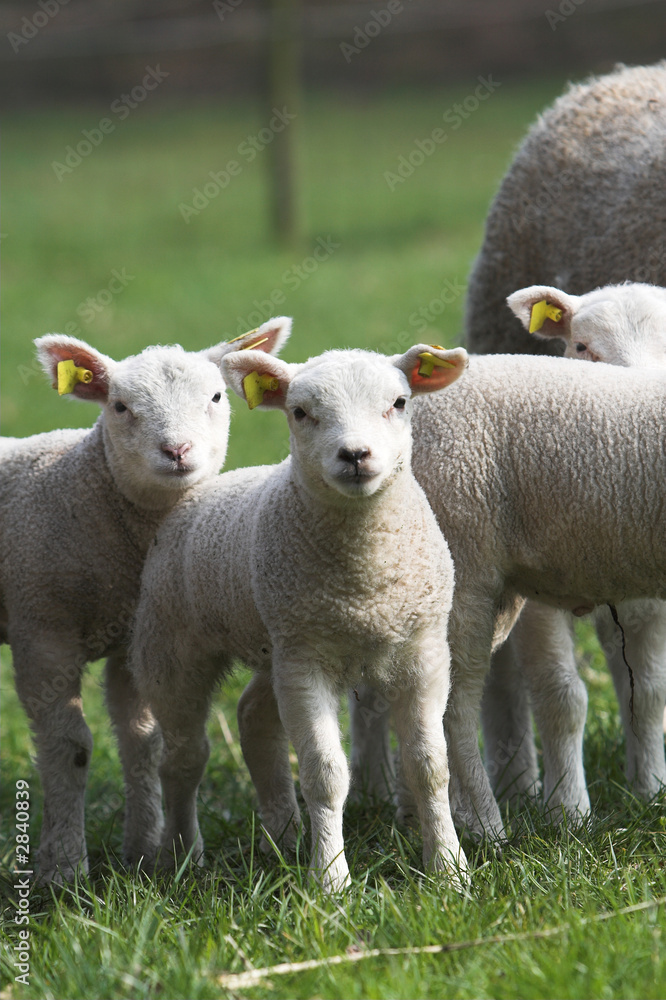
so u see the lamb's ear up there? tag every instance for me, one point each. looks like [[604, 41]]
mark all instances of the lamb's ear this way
[[545, 311], [429, 368], [258, 378], [75, 367], [270, 337]]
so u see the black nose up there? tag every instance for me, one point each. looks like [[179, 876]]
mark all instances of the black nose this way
[[353, 457]]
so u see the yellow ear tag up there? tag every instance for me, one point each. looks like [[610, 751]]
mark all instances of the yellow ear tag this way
[[241, 336], [255, 385], [69, 375], [429, 362], [251, 347], [541, 311]]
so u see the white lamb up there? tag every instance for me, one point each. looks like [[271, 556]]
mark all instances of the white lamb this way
[[78, 510], [318, 572], [547, 479], [623, 325]]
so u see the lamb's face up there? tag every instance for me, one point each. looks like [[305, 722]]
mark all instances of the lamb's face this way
[[165, 411], [348, 411], [620, 325], [167, 418], [349, 418]]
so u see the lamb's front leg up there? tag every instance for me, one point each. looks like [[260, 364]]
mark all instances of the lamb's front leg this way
[[48, 681], [266, 751], [308, 704], [644, 624], [140, 749], [418, 713]]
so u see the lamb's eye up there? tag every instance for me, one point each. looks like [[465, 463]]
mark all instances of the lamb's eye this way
[[400, 403], [299, 413], [119, 407], [217, 397], [581, 348]]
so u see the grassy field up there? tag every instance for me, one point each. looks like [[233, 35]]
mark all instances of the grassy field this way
[[560, 913]]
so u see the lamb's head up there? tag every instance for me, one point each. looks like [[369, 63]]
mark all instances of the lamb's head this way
[[619, 324], [348, 411], [165, 411]]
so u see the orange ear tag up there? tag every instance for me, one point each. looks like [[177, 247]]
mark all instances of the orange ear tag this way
[[430, 361]]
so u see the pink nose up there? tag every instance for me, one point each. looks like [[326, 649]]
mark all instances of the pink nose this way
[[178, 452]]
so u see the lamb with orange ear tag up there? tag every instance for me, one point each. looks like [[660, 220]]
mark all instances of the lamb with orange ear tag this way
[[318, 573]]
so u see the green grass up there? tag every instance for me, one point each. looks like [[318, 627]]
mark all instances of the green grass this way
[[127, 936]]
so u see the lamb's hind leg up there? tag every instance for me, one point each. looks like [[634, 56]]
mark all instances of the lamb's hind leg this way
[[644, 624], [544, 642], [472, 801], [179, 692], [140, 749], [48, 682], [372, 767], [266, 751], [508, 738]]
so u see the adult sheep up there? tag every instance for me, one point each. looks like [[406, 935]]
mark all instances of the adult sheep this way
[[583, 205], [78, 510]]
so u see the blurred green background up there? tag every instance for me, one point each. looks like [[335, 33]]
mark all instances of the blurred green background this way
[[388, 253]]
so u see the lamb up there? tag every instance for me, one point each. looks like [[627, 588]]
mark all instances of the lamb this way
[[623, 325], [518, 459], [78, 510], [582, 205], [317, 572]]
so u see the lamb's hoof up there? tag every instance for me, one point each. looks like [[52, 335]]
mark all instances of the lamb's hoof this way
[[171, 855], [573, 816], [454, 867], [59, 873], [280, 836], [335, 878]]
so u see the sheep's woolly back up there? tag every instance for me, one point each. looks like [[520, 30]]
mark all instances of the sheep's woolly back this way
[[582, 205], [547, 477]]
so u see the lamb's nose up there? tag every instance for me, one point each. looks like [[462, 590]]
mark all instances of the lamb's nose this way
[[177, 452], [353, 457]]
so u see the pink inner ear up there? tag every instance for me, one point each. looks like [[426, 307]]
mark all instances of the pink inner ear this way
[[273, 397]]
